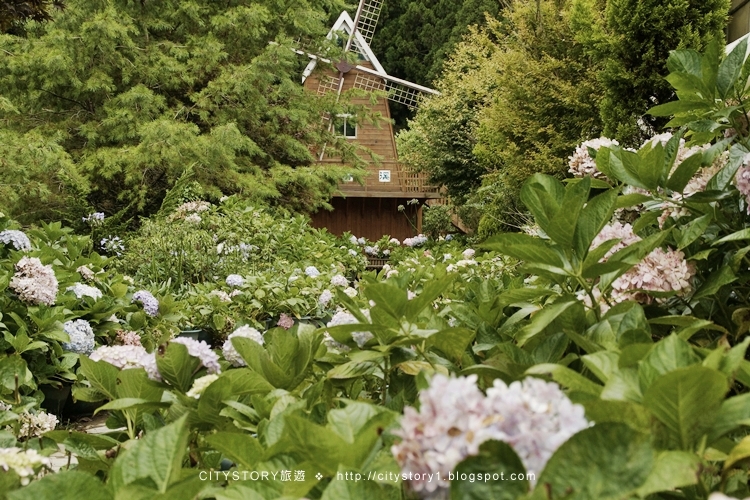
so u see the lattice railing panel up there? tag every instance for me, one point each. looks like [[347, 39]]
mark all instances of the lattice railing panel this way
[[396, 92], [328, 84], [368, 19]]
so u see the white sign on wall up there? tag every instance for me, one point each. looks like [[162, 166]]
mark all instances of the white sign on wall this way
[[384, 176]]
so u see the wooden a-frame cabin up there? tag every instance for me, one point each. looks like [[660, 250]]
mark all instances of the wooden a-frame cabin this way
[[371, 210]]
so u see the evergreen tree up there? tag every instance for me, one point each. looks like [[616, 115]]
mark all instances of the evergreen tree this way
[[13, 13], [631, 40], [116, 99]]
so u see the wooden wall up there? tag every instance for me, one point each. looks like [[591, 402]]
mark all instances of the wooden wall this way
[[739, 21], [369, 217]]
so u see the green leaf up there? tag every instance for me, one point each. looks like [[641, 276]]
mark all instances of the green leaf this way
[[132, 404], [730, 68], [593, 217], [605, 462], [694, 230], [528, 249], [452, 341], [742, 234], [566, 377], [563, 225], [495, 459], [733, 414], [687, 402], [684, 172], [543, 318], [667, 355], [242, 449], [672, 470], [353, 369], [341, 489], [176, 366], [12, 367], [741, 452], [157, 456], [543, 194], [65, 485], [716, 280], [602, 364]]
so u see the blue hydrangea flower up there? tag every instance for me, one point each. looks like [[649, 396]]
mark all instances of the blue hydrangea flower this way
[[18, 239], [81, 337]]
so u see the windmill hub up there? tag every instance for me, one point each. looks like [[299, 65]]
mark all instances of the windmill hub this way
[[344, 66]]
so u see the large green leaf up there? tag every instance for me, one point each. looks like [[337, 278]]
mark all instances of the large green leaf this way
[[667, 355], [158, 457], [176, 366], [65, 485], [566, 377], [730, 68], [101, 375], [544, 318], [14, 367], [605, 462], [733, 413], [593, 217], [672, 470], [543, 195], [687, 402], [482, 474], [241, 448]]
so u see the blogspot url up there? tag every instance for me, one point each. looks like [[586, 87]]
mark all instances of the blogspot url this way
[[436, 476]]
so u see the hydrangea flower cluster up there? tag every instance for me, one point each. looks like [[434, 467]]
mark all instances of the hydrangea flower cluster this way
[[22, 462], [191, 207], [200, 385], [350, 292], [123, 357], [228, 350], [235, 280], [128, 337], [81, 337], [533, 416], [696, 184], [35, 424], [149, 302], [193, 219], [17, 238], [312, 271], [285, 321], [86, 273], [94, 219], [80, 290], [222, 295], [4, 406], [202, 351], [34, 282], [468, 253], [416, 241], [582, 164], [660, 271], [325, 298], [347, 318], [339, 280], [113, 245]]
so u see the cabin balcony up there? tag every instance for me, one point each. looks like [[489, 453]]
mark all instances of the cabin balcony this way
[[390, 179]]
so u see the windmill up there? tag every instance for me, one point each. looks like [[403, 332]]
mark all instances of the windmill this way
[[370, 210]]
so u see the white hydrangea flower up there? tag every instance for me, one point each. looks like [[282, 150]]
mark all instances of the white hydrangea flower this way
[[353, 239], [235, 280], [222, 295], [533, 416], [339, 280], [94, 219], [22, 462], [416, 241], [4, 406], [410, 295], [228, 350], [361, 241], [86, 273], [325, 298], [721, 496], [81, 337], [346, 318], [17, 238], [202, 351], [312, 271], [582, 164], [35, 424], [149, 364], [80, 290], [193, 219], [200, 385], [123, 357], [468, 253], [34, 282], [350, 292], [394, 241], [353, 252]]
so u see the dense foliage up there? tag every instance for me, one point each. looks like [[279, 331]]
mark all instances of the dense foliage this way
[[630, 40], [517, 96], [109, 105]]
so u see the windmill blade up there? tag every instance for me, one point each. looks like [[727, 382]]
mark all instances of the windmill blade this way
[[368, 18], [398, 90]]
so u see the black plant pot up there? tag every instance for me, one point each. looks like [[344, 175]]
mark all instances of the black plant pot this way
[[198, 334], [77, 409], [55, 398]]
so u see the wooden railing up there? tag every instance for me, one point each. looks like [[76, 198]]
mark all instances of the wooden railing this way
[[402, 183]]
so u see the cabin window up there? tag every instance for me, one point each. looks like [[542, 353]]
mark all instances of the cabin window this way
[[343, 127]]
